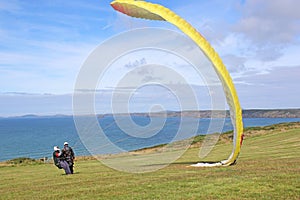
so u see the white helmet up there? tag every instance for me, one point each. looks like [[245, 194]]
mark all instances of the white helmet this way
[[56, 148], [66, 143]]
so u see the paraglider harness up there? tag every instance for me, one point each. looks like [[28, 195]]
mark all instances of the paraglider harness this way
[[68, 154]]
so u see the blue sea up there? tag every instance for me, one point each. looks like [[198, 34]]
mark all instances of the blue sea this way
[[35, 137]]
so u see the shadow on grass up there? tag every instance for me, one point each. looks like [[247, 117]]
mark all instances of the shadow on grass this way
[[70, 174], [180, 163], [191, 163]]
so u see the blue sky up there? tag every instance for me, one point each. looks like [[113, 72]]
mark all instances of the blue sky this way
[[44, 44]]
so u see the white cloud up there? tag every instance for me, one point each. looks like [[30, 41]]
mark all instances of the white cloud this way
[[270, 21], [51, 69], [43, 45], [278, 88], [17, 104], [270, 26]]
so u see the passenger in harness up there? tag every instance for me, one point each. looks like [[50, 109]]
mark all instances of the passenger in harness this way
[[60, 161], [68, 153]]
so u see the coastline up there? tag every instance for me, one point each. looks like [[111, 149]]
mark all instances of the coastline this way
[[197, 141], [247, 113]]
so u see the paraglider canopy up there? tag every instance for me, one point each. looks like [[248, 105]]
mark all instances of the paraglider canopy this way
[[146, 10]]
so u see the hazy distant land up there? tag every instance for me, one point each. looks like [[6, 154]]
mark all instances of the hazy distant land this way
[[253, 113]]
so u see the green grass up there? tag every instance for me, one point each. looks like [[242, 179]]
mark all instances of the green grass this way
[[268, 168]]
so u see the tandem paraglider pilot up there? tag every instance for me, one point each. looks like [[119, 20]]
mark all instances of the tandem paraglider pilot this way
[[69, 155], [60, 160]]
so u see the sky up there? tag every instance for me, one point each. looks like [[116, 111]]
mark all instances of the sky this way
[[44, 45]]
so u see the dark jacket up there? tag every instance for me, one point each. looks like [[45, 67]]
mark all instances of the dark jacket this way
[[68, 154]]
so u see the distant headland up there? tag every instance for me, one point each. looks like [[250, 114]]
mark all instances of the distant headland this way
[[251, 113], [247, 113]]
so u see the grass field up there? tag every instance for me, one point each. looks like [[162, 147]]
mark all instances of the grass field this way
[[268, 168]]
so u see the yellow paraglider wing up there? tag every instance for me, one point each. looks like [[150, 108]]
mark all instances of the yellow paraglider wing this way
[[146, 10]]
